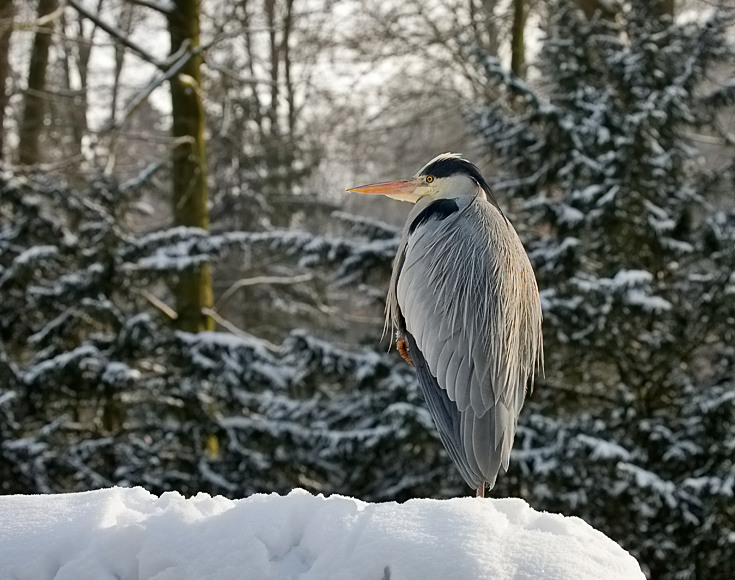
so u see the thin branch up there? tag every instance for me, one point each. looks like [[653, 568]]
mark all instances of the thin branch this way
[[41, 23], [163, 6], [235, 76], [257, 280], [184, 56], [175, 63], [138, 181], [71, 161], [349, 317], [117, 34], [160, 304], [237, 331]]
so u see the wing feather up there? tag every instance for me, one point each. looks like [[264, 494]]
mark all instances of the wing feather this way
[[480, 444], [453, 368]]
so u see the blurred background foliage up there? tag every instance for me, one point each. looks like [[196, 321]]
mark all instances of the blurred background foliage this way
[[190, 302]]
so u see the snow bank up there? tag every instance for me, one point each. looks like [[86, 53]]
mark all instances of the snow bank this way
[[129, 534]]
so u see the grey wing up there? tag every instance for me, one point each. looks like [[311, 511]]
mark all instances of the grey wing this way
[[469, 302], [446, 415]]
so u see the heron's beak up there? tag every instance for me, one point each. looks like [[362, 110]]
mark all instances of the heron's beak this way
[[402, 190]]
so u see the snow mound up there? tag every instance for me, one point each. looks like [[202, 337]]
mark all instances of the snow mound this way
[[130, 534]]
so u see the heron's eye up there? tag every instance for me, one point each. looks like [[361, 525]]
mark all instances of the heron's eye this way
[[429, 178]]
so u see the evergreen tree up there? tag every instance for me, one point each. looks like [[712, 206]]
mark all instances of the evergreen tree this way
[[633, 427], [97, 388]]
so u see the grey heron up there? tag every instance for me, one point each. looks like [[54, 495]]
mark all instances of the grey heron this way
[[465, 308]]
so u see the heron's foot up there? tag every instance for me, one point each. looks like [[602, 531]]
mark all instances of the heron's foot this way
[[402, 346], [481, 490]]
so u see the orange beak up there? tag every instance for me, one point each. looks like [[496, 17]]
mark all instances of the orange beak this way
[[402, 190]]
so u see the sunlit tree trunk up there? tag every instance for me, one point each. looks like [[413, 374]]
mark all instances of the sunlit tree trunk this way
[[193, 290], [6, 29], [517, 43], [31, 122]]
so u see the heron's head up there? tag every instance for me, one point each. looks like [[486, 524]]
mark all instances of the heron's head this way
[[445, 176]]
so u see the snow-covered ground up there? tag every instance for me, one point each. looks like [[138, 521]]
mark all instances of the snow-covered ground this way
[[126, 534]]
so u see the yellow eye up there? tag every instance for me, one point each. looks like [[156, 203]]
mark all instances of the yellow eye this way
[[429, 178]]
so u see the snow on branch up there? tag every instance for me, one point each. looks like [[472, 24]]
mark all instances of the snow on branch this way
[[633, 286], [184, 247], [368, 227]]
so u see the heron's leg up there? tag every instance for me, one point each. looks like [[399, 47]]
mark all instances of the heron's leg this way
[[402, 346], [481, 490]]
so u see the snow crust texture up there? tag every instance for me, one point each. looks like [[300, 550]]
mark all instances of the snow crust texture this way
[[127, 533]]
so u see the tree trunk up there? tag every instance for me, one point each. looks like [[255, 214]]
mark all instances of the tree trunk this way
[[193, 290], [666, 7], [125, 23], [484, 25], [31, 123], [252, 59], [273, 144], [590, 7], [6, 30], [75, 112], [517, 43], [77, 53], [288, 21]]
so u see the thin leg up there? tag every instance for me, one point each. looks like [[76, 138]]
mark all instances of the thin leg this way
[[402, 346], [481, 490]]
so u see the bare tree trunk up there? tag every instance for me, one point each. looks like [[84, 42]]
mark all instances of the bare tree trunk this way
[[517, 42], [270, 12], [484, 26], [286, 43], [590, 7], [125, 23], [193, 290], [74, 113], [6, 30], [80, 126], [289, 145], [273, 143], [31, 123], [250, 49], [667, 7]]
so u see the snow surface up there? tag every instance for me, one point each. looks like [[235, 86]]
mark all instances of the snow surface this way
[[128, 533]]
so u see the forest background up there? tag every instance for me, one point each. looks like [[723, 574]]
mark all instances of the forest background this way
[[190, 301]]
